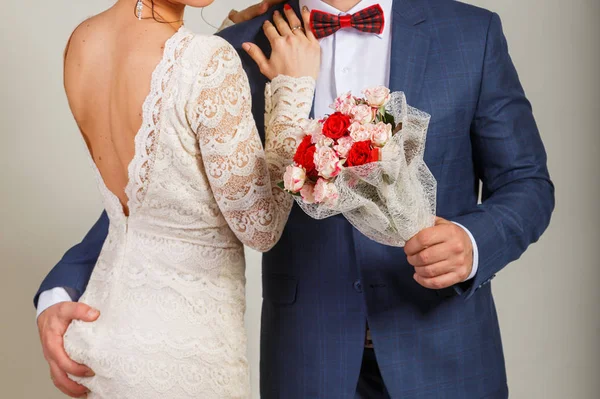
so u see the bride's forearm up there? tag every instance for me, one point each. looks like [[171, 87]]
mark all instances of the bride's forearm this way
[[288, 102]]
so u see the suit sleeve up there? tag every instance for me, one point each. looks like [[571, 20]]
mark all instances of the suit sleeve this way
[[510, 160], [74, 269]]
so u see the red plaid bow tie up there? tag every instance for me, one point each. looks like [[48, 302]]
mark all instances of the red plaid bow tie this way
[[370, 20]]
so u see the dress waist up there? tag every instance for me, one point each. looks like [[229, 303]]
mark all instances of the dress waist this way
[[140, 254]]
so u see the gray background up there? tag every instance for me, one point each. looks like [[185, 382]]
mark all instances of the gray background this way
[[547, 301]]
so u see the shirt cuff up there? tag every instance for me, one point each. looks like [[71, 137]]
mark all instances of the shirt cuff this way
[[475, 252], [51, 298]]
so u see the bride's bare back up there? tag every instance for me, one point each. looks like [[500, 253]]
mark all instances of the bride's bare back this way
[[109, 63]]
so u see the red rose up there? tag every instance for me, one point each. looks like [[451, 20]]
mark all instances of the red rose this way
[[336, 126], [305, 156], [362, 153]]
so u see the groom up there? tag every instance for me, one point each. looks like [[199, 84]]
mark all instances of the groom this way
[[344, 317]]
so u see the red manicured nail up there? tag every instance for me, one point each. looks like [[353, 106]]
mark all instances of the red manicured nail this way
[[287, 7]]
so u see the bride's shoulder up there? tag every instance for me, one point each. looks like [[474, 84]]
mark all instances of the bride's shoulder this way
[[87, 39], [209, 48]]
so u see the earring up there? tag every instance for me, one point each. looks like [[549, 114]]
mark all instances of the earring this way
[[138, 9]]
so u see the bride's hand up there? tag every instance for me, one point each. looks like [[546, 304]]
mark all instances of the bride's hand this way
[[296, 51]]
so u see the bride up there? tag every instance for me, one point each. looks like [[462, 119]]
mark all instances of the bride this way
[[166, 116]]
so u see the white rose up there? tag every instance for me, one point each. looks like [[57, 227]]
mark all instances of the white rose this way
[[294, 178], [377, 96]]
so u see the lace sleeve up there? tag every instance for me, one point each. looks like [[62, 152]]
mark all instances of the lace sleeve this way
[[243, 179]]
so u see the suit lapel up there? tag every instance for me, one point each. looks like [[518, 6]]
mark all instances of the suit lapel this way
[[410, 49]]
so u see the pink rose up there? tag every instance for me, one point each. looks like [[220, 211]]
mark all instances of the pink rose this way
[[360, 132], [325, 192], [321, 140], [362, 114], [344, 103], [294, 178], [381, 134], [377, 96], [343, 146], [308, 193], [327, 162]]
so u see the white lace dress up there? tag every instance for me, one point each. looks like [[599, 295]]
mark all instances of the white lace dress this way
[[169, 281]]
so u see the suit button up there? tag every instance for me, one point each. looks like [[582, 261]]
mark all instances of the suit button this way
[[358, 286]]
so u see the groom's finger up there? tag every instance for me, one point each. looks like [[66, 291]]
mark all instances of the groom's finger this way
[[426, 238], [439, 282], [69, 311], [66, 364], [434, 270], [430, 255], [259, 57], [248, 13], [65, 384], [253, 11]]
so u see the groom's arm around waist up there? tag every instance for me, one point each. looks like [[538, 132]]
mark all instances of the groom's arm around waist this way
[[510, 160], [68, 279]]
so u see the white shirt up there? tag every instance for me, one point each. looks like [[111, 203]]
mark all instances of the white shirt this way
[[347, 64]]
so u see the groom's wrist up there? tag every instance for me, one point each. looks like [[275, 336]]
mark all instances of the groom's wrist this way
[[475, 265]]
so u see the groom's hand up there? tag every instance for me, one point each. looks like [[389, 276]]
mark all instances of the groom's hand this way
[[52, 325], [442, 255], [253, 11]]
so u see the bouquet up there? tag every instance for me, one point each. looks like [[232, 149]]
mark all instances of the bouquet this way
[[365, 161]]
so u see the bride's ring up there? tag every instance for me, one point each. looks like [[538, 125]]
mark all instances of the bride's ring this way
[[295, 28]]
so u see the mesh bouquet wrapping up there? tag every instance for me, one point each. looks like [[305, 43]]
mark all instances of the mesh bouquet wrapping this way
[[392, 199]]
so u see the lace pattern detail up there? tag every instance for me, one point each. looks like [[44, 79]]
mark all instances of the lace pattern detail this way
[[244, 180], [147, 137], [287, 102]]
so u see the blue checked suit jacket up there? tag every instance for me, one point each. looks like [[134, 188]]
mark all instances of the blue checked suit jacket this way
[[323, 281]]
